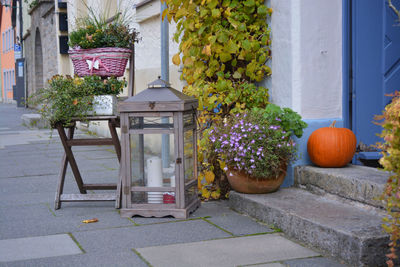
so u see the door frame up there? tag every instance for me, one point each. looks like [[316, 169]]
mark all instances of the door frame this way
[[347, 63]]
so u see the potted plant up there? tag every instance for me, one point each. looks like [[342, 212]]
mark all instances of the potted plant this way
[[68, 97], [100, 45], [255, 147]]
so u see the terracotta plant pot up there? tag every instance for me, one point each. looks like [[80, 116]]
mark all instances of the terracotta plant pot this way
[[243, 183]]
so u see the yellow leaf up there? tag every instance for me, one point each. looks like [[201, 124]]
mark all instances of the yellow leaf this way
[[91, 220], [201, 157], [209, 177], [205, 193], [215, 195], [222, 164], [176, 59], [164, 13], [207, 50]]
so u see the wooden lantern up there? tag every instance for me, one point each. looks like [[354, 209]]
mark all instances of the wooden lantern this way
[[159, 153]]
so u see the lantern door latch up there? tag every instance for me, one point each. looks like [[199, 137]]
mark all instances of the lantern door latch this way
[[178, 161]]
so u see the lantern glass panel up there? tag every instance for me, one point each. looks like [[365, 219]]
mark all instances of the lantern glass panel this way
[[151, 123], [188, 119], [150, 167], [188, 155]]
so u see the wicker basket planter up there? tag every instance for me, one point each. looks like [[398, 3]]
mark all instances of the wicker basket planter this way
[[105, 61]]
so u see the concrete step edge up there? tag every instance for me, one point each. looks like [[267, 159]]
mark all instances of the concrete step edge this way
[[361, 245], [357, 183]]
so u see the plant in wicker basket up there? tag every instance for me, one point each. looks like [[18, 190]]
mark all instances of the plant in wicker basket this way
[[100, 46]]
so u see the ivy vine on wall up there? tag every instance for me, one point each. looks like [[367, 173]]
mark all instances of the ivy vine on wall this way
[[390, 121], [224, 46]]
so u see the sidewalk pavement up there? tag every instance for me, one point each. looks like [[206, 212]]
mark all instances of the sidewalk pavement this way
[[32, 233]]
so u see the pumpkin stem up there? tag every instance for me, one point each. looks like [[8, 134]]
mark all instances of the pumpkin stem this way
[[333, 124]]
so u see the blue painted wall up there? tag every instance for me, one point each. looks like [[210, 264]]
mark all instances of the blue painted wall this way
[[304, 159]]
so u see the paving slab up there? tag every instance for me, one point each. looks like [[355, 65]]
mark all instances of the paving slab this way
[[275, 264], [239, 225], [340, 229], [22, 137], [37, 247], [314, 262], [98, 241], [41, 219], [226, 252], [14, 200], [115, 259]]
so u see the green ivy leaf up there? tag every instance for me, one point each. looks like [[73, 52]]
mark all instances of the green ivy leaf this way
[[215, 13], [249, 3], [223, 37], [225, 57], [262, 10], [246, 44], [231, 47], [237, 75]]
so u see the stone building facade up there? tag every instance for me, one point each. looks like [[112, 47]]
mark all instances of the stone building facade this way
[[41, 49]]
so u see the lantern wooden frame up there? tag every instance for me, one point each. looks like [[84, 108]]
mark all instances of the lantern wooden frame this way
[[159, 101]]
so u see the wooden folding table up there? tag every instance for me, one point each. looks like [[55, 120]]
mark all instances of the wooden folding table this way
[[68, 141]]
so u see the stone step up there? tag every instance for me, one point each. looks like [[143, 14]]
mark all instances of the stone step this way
[[357, 183], [342, 230]]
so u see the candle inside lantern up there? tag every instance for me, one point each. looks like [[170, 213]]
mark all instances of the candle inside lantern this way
[[169, 198], [154, 179]]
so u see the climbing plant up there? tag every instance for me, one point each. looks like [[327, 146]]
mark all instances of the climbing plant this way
[[223, 48], [391, 162]]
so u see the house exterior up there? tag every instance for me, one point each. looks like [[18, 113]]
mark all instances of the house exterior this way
[[44, 57], [7, 52], [331, 60]]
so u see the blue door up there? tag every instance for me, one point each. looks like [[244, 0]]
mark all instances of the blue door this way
[[375, 65]]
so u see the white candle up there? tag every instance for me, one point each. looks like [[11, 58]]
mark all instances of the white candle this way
[[154, 172], [173, 181], [154, 179]]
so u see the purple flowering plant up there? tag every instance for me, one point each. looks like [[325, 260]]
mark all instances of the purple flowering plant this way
[[255, 143]]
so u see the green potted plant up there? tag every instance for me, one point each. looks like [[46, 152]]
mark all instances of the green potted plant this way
[[100, 45], [68, 97], [255, 147]]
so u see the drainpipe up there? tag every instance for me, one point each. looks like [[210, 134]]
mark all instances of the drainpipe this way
[[164, 76]]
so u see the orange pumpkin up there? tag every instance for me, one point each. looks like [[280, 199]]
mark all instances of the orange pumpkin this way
[[331, 147]]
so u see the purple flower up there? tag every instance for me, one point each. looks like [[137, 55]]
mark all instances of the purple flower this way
[[251, 160], [236, 159], [253, 166], [225, 168], [278, 119]]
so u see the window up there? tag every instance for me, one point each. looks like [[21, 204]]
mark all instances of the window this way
[[4, 41], [12, 39]]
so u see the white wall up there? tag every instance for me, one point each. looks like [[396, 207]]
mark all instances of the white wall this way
[[148, 50], [307, 57]]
